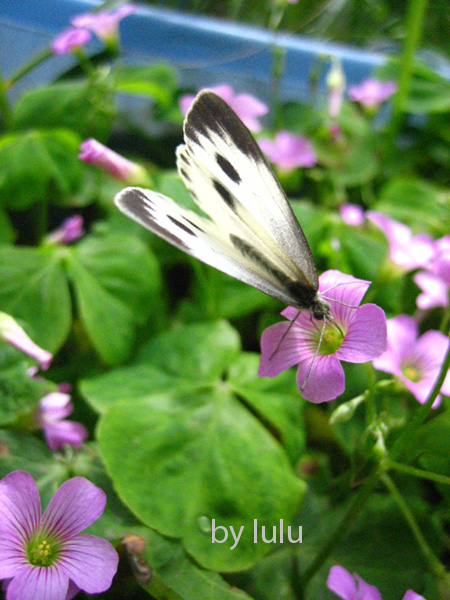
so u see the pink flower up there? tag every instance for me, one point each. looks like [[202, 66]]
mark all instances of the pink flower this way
[[247, 107], [289, 151], [104, 24], [53, 408], [95, 153], [70, 39], [352, 587], [13, 334], [354, 335], [352, 214], [435, 281], [46, 556], [70, 230], [405, 249], [371, 92], [415, 361]]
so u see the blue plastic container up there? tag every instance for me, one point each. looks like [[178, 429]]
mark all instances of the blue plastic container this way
[[205, 51]]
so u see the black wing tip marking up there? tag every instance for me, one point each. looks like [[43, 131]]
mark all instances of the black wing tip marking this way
[[131, 198], [209, 112]]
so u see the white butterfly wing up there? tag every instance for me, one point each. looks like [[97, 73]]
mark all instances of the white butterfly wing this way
[[202, 239], [217, 139], [251, 233]]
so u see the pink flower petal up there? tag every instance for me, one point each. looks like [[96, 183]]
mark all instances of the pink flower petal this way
[[90, 562], [352, 214], [20, 505], [430, 350], [402, 336], [65, 432], [411, 595], [70, 39], [55, 406], [38, 583], [342, 583], [95, 153], [371, 92], [435, 290], [326, 381], [75, 506], [366, 335], [13, 557], [292, 349], [366, 591], [343, 292]]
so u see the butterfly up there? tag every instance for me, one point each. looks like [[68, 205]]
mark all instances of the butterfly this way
[[250, 231]]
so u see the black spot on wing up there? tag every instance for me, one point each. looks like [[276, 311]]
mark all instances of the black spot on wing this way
[[225, 194], [194, 225], [228, 168], [184, 174], [181, 225], [209, 113]]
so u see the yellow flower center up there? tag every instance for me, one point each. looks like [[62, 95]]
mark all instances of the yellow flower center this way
[[42, 552], [332, 339], [412, 373]]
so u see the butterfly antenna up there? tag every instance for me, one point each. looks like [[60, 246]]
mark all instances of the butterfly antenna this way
[[338, 302], [315, 355], [284, 335], [338, 285]]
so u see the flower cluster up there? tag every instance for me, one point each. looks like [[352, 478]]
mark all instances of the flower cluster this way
[[102, 24]]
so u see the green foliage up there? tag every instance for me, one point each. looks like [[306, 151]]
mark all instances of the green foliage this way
[[113, 278], [163, 352], [61, 104], [38, 164], [181, 406]]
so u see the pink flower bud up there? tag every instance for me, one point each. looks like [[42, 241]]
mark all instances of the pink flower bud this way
[[70, 39], [13, 334]]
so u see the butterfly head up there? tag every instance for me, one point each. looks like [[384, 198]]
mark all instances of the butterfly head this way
[[320, 309]]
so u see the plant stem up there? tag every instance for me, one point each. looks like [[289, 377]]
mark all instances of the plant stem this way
[[434, 564], [421, 413], [415, 21], [5, 107], [370, 397], [37, 60], [353, 510], [415, 472], [443, 328]]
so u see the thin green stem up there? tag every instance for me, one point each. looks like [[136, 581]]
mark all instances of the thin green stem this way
[[353, 510], [445, 322], [36, 61], [370, 395], [407, 435], [415, 472], [5, 107], [415, 23], [434, 564]]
